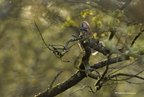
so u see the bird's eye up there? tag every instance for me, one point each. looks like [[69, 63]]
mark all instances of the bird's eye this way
[[84, 29]]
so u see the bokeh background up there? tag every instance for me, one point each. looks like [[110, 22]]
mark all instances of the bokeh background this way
[[27, 67]]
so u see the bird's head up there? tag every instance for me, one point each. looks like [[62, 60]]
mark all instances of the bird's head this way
[[85, 29]]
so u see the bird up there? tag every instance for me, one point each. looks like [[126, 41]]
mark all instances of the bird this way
[[85, 29], [86, 33], [94, 44]]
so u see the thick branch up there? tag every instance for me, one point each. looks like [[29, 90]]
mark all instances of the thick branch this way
[[76, 78], [61, 87]]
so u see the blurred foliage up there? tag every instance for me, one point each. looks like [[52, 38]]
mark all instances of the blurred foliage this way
[[86, 12], [69, 23], [27, 67]]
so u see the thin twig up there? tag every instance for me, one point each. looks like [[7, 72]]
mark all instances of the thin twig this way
[[135, 38], [134, 83], [42, 37], [99, 84], [91, 90], [129, 75], [54, 79], [121, 67]]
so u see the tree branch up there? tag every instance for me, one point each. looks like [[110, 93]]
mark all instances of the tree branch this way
[[61, 87], [77, 77], [127, 75], [111, 61]]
